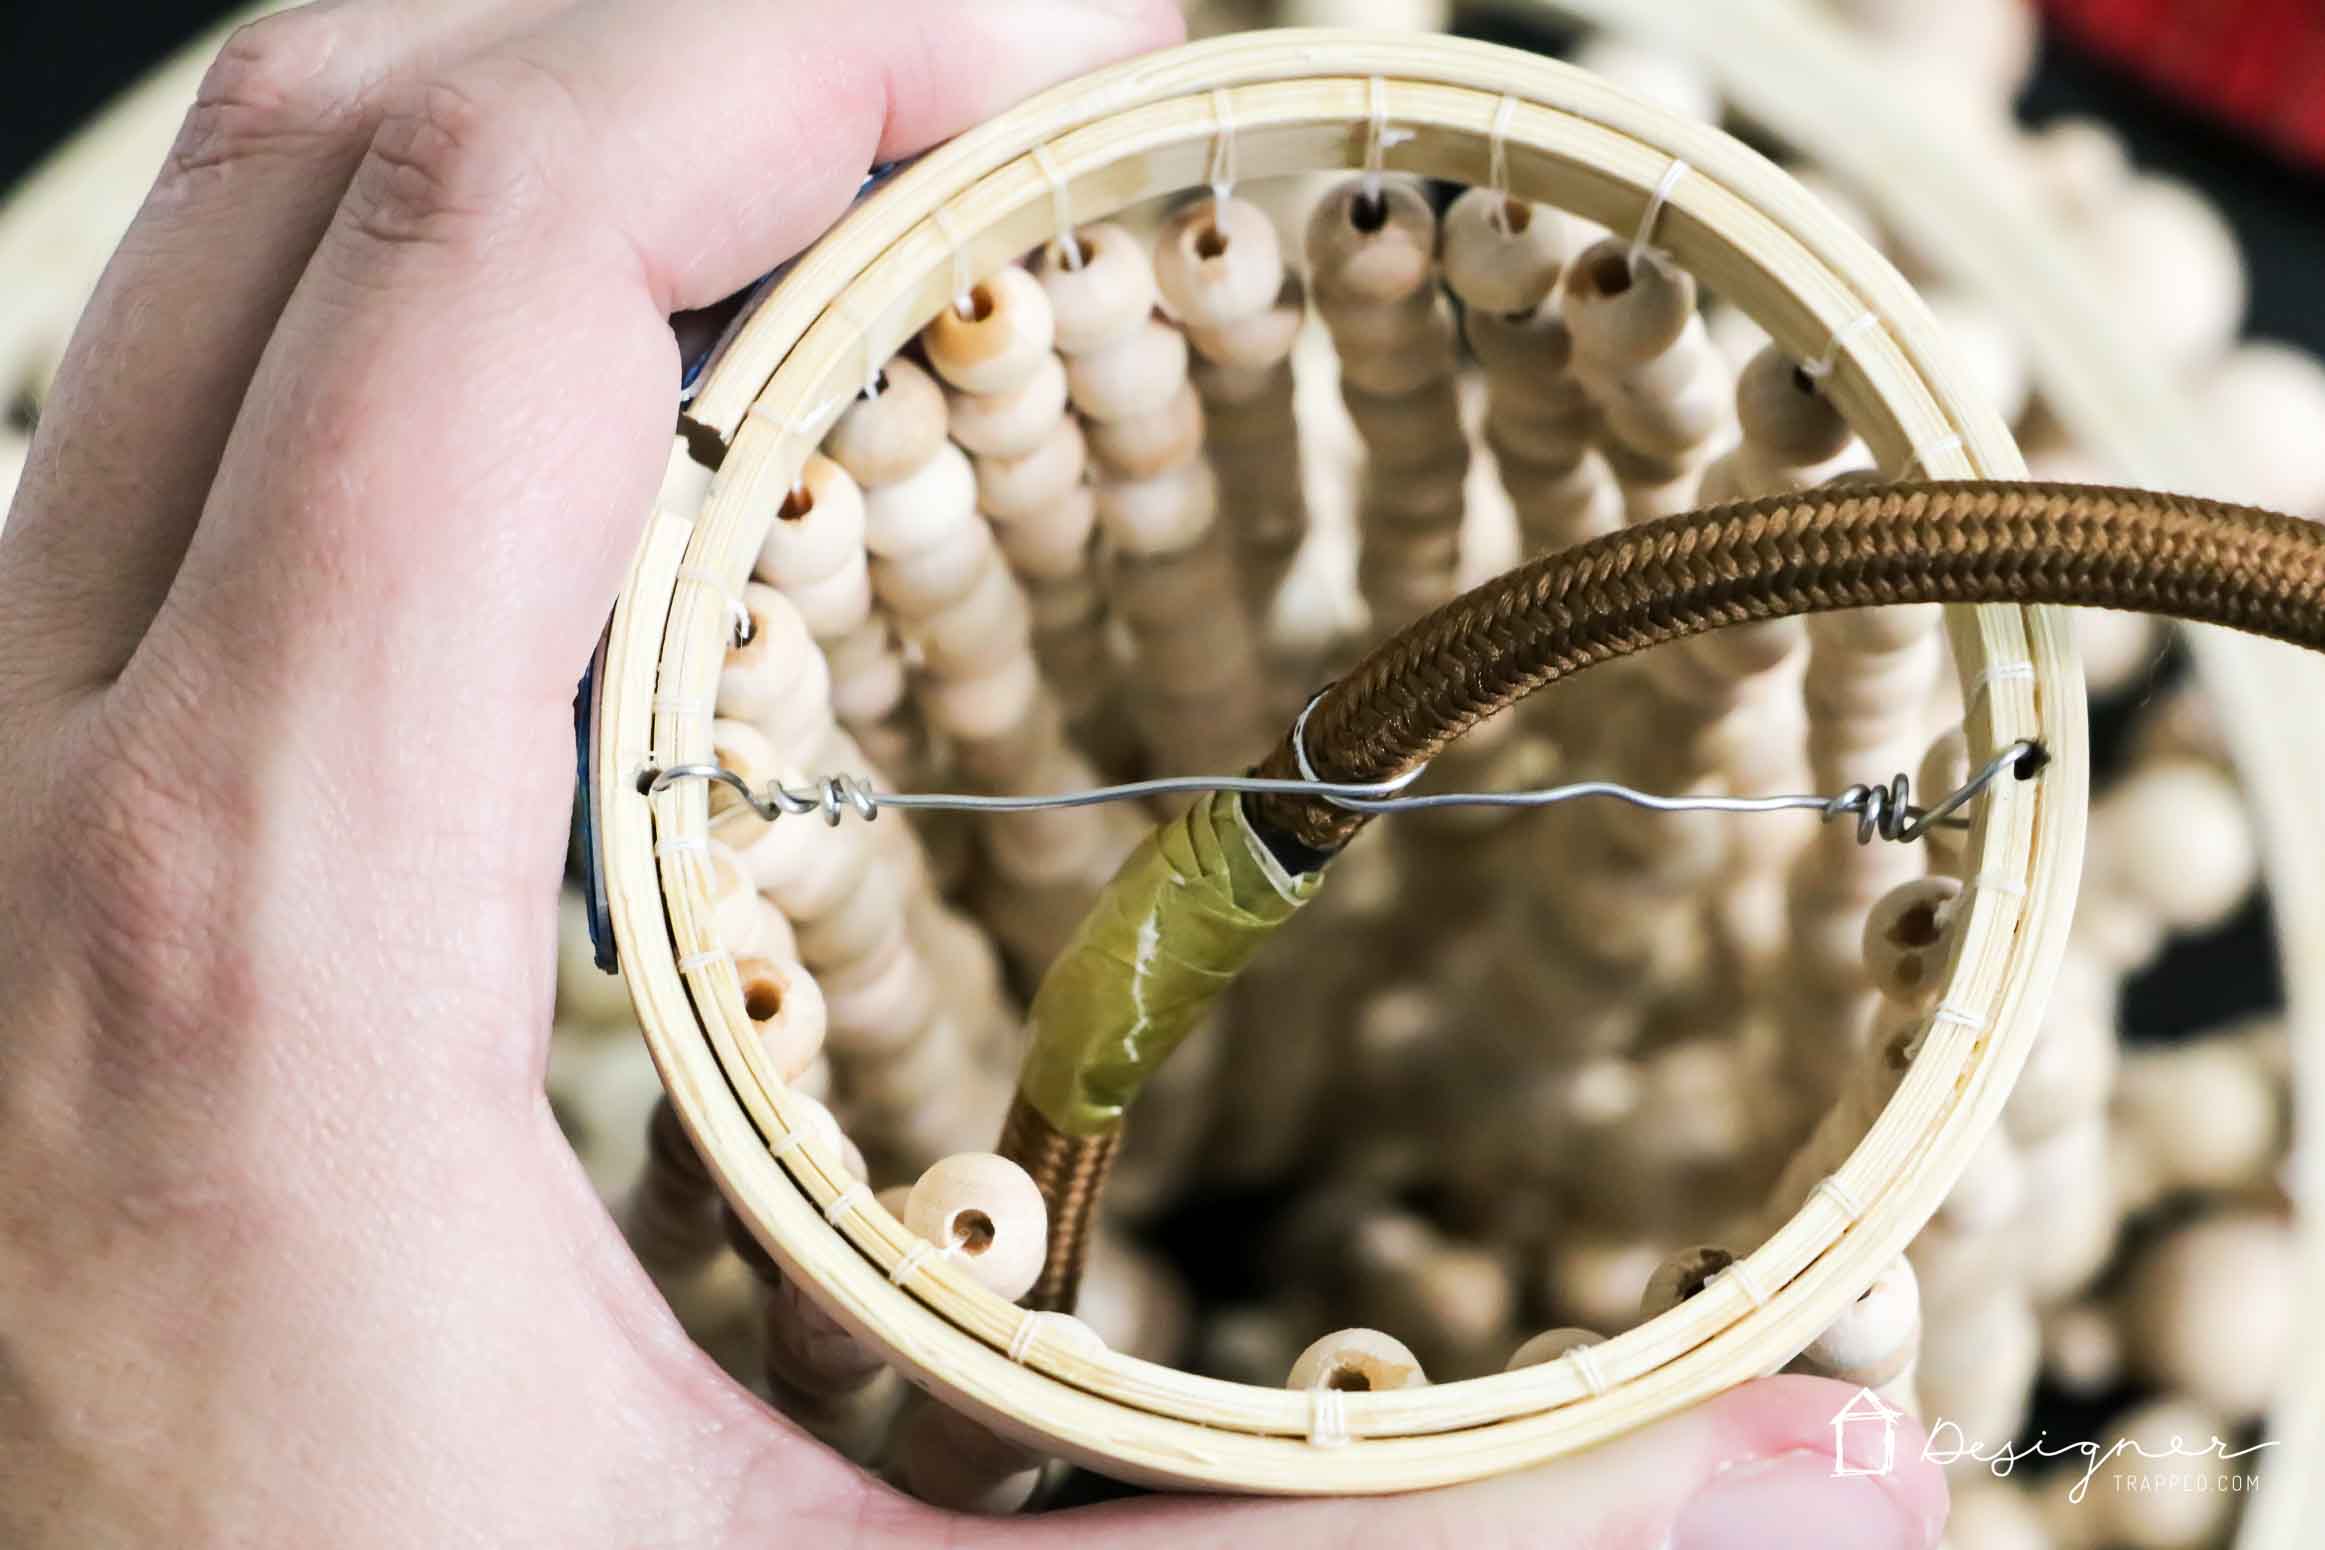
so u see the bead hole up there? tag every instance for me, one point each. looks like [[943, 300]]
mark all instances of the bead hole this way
[[1610, 275], [1517, 215], [972, 1232], [1803, 383], [762, 1000], [798, 501], [1349, 1378], [1711, 1264], [980, 305], [1210, 241], [1368, 213], [1917, 927]]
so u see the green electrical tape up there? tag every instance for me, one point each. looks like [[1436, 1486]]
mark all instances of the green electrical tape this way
[[1166, 937]]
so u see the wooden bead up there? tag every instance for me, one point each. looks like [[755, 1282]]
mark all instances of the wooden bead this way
[[1159, 515], [1624, 315], [1551, 1344], [2206, 1113], [988, 1214], [2082, 1349], [1259, 341], [881, 1010], [1987, 346], [882, 437], [1217, 261], [1943, 769], [1369, 249], [2266, 403], [786, 1012], [2175, 838], [1022, 487], [2213, 1308], [2071, 1069], [979, 631], [743, 921], [2081, 164], [1501, 255], [862, 923], [1106, 296], [1357, 1361], [1783, 412], [764, 675], [818, 529], [999, 341], [1682, 1276], [1053, 545], [987, 705], [926, 579], [1139, 446], [922, 507], [1876, 1337], [837, 603], [950, 1461], [2141, 1498], [1136, 373], [2166, 256], [1909, 938], [1010, 424]]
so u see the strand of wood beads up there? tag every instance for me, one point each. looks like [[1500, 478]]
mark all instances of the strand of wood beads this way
[[1220, 270], [1007, 396], [1371, 245], [1197, 704], [986, 1217], [817, 1373], [1502, 260], [814, 555], [1660, 385]]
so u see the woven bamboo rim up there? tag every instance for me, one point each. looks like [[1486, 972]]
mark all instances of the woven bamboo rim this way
[[1303, 102]]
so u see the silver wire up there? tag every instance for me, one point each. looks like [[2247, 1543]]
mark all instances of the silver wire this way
[[1882, 812]]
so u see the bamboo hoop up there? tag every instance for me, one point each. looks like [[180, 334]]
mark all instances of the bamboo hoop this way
[[1301, 101]]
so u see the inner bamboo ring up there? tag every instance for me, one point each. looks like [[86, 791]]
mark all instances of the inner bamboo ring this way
[[1301, 102]]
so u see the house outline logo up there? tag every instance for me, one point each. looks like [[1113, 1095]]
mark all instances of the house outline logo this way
[[1865, 1408]]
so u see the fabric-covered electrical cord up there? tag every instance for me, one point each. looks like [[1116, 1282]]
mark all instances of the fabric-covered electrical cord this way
[[1844, 546]]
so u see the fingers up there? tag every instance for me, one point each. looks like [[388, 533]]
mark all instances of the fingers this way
[[131, 439], [1752, 1468], [443, 461]]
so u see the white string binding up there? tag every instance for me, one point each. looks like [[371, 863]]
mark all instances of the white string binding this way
[[1832, 1189], [1652, 216], [1826, 364], [864, 341], [1327, 1418], [704, 959], [1223, 156], [850, 1199], [737, 614], [1497, 161], [1994, 882], [671, 704], [681, 844], [921, 1252], [1919, 459], [1999, 672], [1586, 1367], [962, 304], [1061, 205], [1947, 1012], [792, 1141], [1021, 1338], [1740, 1271]]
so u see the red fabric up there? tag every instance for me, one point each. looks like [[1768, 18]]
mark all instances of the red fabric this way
[[2259, 64]]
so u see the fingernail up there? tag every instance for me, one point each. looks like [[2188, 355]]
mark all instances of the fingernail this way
[[1795, 1500]]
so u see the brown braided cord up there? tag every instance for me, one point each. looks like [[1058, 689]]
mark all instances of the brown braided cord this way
[[1849, 546], [1071, 1171]]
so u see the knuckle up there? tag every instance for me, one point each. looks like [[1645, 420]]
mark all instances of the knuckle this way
[[281, 85], [461, 156]]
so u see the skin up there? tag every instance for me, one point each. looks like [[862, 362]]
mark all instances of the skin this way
[[334, 491]]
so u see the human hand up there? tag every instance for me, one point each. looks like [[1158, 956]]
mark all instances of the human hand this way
[[330, 501]]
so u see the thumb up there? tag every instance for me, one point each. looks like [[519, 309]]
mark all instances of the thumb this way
[[1753, 1468]]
